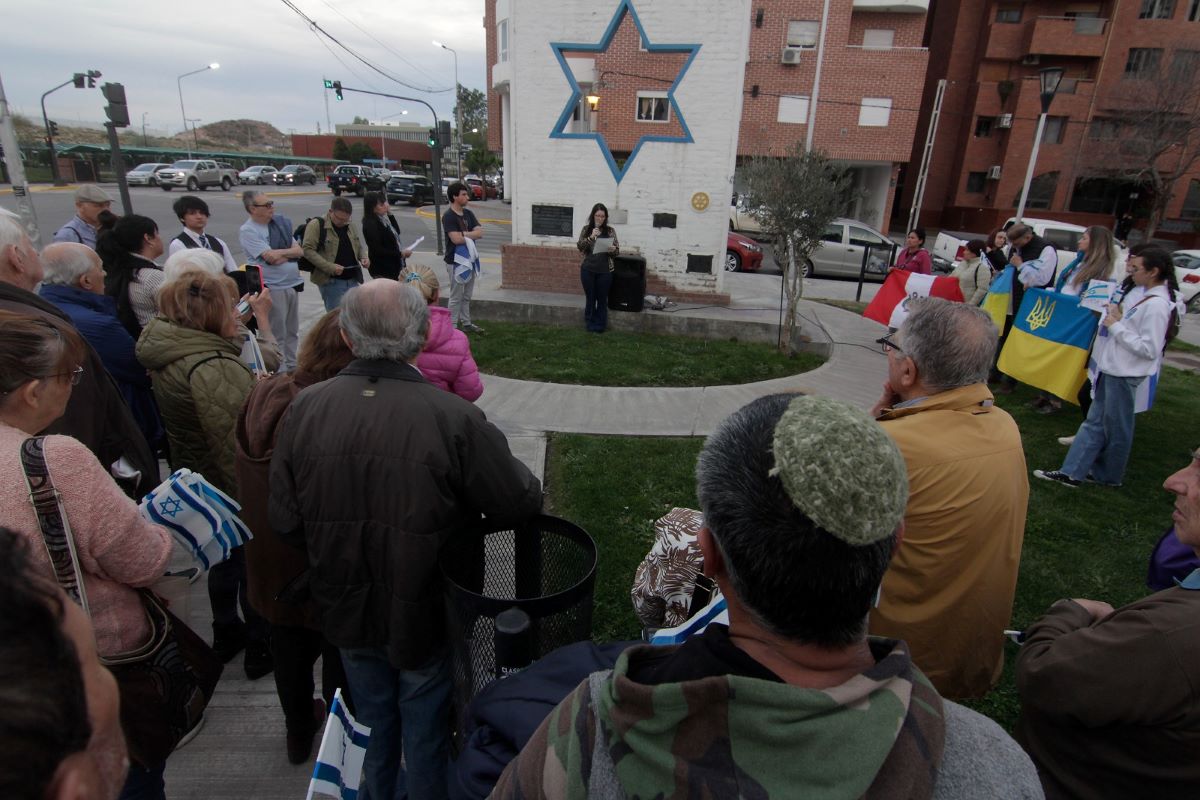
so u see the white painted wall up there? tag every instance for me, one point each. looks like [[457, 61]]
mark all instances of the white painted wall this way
[[664, 175]]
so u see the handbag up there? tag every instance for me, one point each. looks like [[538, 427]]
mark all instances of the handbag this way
[[167, 682]]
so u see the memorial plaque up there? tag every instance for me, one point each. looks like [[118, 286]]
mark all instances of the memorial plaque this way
[[554, 221]]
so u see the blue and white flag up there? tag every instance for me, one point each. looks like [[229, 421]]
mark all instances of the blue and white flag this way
[[1143, 396], [716, 611], [340, 760], [466, 261], [201, 518]]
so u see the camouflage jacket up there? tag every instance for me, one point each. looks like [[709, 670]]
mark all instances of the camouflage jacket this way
[[878, 735]]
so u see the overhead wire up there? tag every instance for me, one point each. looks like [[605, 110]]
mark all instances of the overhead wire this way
[[378, 41]]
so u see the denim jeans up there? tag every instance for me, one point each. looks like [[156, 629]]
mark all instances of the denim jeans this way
[[334, 290], [408, 708], [595, 298], [1102, 445]]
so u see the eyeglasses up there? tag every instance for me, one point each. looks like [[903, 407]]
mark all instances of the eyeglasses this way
[[76, 375], [887, 345], [270, 204]]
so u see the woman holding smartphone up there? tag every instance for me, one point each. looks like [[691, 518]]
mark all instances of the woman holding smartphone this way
[[596, 271]]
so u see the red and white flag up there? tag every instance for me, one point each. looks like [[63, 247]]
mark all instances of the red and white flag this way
[[890, 305]]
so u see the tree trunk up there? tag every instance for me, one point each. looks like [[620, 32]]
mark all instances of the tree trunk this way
[[793, 287]]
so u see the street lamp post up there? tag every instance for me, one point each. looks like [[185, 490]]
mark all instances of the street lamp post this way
[[457, 107], [1050, 79], [179, 84], [145, 141], [195, 140]]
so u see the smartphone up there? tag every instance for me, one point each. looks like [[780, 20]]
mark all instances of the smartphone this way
[[254, 283]]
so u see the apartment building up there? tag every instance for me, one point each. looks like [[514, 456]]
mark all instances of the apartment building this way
[[1122, 59]]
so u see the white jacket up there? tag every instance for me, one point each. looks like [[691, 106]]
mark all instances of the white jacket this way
[[1135, 344]]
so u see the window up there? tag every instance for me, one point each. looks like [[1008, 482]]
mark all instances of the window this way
[[874, 112], [1053, 132], [1008, 15], [1157, 9], [832, 233], [653, 107], [1041, 192], [1142, 62], [878, 38], [1194, 11], [983, 126], [1191, 202], [794, 109], [502, 39], [976, 181], [803, 33], [1103, 130], [864, 238], [1184, 66]]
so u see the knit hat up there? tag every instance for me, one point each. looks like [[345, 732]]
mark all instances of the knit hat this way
[[840, 469], [92, 193], [423, 279]]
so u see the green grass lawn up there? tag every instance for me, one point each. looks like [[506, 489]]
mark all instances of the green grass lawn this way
[[1182, 346], [616, 358], [1087, 542]]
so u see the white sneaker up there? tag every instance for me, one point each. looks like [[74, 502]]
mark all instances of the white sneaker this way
[[1066, 440]]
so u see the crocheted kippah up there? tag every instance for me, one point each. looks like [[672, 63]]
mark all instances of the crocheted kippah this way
[[840, 469]]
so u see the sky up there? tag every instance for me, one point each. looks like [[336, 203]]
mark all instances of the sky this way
[[271, 64]]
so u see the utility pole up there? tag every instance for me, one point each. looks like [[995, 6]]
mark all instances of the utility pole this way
[[328, 123], [16, 172], [923, 175]]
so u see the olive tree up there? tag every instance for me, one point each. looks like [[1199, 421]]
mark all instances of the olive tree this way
[[794, 199]]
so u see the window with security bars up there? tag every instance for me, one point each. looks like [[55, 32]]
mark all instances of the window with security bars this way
[[1157, 9], [1142, 62]]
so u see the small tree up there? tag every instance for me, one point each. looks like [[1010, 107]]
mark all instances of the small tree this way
[[360, 151], [795, 198], [481, 162], [341, 150]]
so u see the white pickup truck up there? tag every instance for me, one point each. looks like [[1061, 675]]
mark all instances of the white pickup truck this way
[[950, 246], [196, 174]]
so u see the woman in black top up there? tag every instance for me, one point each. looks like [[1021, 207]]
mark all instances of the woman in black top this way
[[382, 235], [994, 252], [596, 271]]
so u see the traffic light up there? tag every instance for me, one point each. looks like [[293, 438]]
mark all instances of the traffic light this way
[[116, 110], [53, 129], [86, 80], [80, 80], [432, 141], [92, 74], [444, 133], [337, 89], [328, 84]]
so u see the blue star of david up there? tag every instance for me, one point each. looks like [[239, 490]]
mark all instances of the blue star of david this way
[[170, 507], [559, 130]]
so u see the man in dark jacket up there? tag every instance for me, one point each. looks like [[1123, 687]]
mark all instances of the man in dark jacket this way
[[372, 471], [96, 413]]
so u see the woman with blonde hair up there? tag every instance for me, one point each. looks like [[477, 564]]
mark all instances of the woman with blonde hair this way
[[200, 382], [446, 360]]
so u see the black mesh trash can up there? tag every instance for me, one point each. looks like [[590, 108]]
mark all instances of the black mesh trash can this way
[[628, 292], [513, 594]]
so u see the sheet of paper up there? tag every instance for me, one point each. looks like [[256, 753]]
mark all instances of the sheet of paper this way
[[602, 245], [413, 246]]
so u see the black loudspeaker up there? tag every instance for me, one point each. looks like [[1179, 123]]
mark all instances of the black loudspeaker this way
[[628, 292]]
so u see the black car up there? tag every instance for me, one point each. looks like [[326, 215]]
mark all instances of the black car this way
[[296, 175], [412, 189]]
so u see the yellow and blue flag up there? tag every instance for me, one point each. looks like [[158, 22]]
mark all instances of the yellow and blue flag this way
[[1049, 342], [998, 300]]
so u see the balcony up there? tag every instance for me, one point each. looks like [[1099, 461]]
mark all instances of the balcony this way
[[893, 6], [1064, 36]]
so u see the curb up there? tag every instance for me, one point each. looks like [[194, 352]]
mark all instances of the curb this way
[[421, 212]]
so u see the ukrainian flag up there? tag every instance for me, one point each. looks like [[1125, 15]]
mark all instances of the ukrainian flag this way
[[1049, 343], [999, 297]]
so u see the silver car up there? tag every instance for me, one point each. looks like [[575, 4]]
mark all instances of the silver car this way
[[257, 175], [841, 252], [144, 174]]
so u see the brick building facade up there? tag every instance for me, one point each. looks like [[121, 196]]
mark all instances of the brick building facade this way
[[1115, 54]]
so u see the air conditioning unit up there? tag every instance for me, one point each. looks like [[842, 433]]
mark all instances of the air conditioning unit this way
[[791, 55], [1004, 121], [1031, 60], [993, 173]]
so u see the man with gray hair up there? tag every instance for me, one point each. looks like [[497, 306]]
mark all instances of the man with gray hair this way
[[803, 501], [372, 471], [269, 241], [949, 591]]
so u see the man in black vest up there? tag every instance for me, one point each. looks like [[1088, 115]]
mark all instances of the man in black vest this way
[[1036, 262], [193, 213]]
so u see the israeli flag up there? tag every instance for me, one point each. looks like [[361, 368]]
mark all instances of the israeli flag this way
[[466, 261], [716, 611], [340, 760], [202, 519]]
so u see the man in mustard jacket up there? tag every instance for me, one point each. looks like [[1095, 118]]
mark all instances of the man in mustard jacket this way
[[949, 590]]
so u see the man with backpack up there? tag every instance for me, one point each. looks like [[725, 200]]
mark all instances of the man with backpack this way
[[333, 253], [269, 241]]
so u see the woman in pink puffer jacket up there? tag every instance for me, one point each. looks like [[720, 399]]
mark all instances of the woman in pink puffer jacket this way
[[446, 359]]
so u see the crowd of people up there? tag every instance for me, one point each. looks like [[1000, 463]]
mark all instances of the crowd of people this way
[[868, 562]]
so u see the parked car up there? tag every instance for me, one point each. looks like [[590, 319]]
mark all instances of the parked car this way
[[412, 189], [740, 218], [354, 179], [475, 184], [257, 175], [742, 254], [446, 190], [1187, 272], [144, 174], [950, 246], [841, 251], [296, 175], [194, 174]]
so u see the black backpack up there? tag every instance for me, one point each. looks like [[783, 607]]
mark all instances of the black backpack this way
[[304, 264]]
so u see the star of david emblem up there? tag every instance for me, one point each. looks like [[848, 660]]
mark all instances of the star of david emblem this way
[[625, 7], [170, 507]]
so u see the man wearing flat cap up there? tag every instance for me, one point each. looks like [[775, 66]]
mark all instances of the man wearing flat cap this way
[[90, 201], [803, 501]]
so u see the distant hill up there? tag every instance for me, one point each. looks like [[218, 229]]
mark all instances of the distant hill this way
[[237, 135]]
